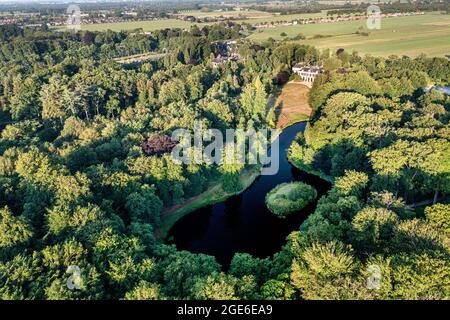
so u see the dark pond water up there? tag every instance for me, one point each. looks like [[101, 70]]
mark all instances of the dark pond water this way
[[243, 223]]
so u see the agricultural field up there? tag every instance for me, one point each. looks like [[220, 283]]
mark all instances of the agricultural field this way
[[132, 25], [285, 17], [413, 35], [342, 2], [429, 34], [253, 18], [212, 14]]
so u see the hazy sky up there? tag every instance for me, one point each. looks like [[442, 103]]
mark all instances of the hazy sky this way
[[78, 1]]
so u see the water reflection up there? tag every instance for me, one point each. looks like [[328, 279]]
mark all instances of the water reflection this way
[[243, 223]]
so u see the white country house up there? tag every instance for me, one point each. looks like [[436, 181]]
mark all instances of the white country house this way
[[307, 72]]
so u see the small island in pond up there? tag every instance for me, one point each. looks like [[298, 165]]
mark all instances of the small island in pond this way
[[289, 197]]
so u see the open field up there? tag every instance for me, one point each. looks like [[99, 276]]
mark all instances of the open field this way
[[151, 25], [212, 14], [150, 56], [145, 25], [342, 2], [292, 105], [254, 16], [429, 34], [286, 17]]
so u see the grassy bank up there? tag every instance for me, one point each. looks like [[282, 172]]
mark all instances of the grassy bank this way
[[213, 195], [310, 170]]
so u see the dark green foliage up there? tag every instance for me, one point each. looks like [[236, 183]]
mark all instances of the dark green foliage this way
[[381, 139]]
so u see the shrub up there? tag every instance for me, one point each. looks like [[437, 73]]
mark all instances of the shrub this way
[[300, 36]]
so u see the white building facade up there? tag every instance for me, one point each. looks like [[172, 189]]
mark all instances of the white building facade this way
[[306, 72]]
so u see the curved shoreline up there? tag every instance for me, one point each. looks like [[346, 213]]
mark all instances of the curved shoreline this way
[[243, 223], [213, 195]]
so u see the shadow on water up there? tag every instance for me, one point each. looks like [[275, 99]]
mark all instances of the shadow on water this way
[[243, 223]]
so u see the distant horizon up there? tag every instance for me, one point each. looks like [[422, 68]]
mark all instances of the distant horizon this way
[[106, 1], [94, 1], [84, 1]]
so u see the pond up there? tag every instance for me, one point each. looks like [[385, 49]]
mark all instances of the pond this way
[[445, 90], [243, 223]]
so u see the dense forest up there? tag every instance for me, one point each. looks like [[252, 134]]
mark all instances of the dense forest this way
[[81, 183], [385, 144]]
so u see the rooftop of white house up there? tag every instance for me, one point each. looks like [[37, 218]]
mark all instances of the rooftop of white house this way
[[302, 67]]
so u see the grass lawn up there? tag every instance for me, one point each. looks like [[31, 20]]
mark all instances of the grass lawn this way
[[429, 34], [291, 105]]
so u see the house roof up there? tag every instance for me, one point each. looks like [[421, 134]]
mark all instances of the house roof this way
[[307, 68], [299, 65]]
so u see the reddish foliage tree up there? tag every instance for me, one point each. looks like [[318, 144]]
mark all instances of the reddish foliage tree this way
[[282, 77], [158, 145], [193, 61], [88, 37]]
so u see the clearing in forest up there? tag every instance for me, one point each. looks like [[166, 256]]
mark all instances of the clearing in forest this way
[[149, 56], [292, 104]]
